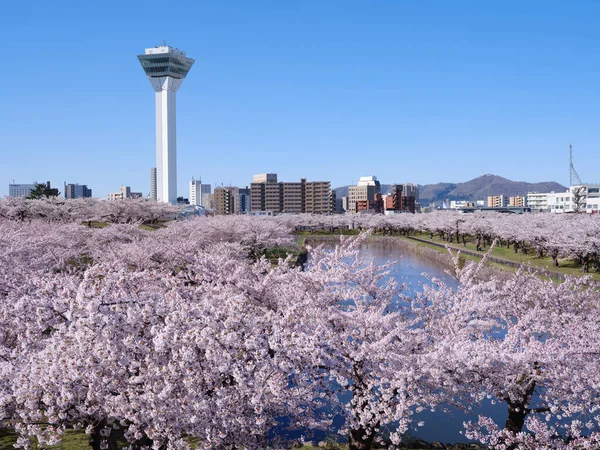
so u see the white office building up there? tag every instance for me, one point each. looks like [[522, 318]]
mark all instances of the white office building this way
[[199, 193], [20, 190], [582, 198], [366, 189], [166, 67]]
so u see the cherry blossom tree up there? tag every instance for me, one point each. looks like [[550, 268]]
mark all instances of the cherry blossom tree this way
[[523, 341], [187, 331], [359, 342]]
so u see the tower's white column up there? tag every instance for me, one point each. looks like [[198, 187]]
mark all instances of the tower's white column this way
[[166, 144]]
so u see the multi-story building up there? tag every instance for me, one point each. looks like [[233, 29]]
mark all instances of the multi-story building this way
[[339, 204], [199, 192], [153, 184], [319, 198], [274, 197], [402, 198], [517, 201], [411, 190], [37, 190], [497, 201], [345, 203], [580, 198], [592, 198], [393, 201], [224, 201], [208, 201], [365, 190], [258, 192], [267, 194], [257, 197], [375, 205], [20, 190], [294, 196], [124, 192], [77, 191], [243, 204], [457, 204], [538, 201]]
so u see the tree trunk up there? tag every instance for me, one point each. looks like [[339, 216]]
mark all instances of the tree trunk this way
[[360, 440], [103, 437], [519, 410], [585, 264], [555, 258], [516, 417]]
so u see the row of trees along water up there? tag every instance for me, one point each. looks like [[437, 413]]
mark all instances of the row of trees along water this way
[[557, 236], [188, 332]]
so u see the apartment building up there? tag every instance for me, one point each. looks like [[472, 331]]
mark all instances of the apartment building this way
[[258, 192], [517, 201], [319, 198], [294, 196], [224, 200], [268, 194], [497, 201], [274, 197], [537, 201]]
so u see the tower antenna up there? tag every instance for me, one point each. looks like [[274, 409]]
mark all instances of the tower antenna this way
[[573, 176]]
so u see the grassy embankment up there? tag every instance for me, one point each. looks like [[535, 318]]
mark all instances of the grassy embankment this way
[[78, 440], [73, 440], [566, 266]]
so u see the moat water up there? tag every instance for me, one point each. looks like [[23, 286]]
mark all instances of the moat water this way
[[410, 268]]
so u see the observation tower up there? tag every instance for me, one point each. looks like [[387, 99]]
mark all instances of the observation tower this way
[[166, 67]]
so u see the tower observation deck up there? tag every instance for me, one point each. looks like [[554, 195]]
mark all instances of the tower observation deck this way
[[166, 67]]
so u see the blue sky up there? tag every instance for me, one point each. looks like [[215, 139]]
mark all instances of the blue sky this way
[[420, 91]]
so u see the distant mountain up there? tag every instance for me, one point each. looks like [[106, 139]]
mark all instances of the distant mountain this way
[[476, 189]]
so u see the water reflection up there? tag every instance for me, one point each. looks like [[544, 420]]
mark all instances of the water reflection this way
[[409, 268]]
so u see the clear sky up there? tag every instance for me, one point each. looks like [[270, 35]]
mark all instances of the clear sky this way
[[420, 91]]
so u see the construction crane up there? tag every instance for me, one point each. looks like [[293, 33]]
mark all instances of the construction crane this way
[[573, 176]]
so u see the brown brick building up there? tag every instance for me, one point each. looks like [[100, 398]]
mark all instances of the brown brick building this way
[[224, 200], [267, 194]]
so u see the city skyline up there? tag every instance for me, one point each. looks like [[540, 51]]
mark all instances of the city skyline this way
[[334, 91]]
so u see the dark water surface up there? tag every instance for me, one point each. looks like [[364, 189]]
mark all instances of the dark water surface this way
[[409, 269]]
